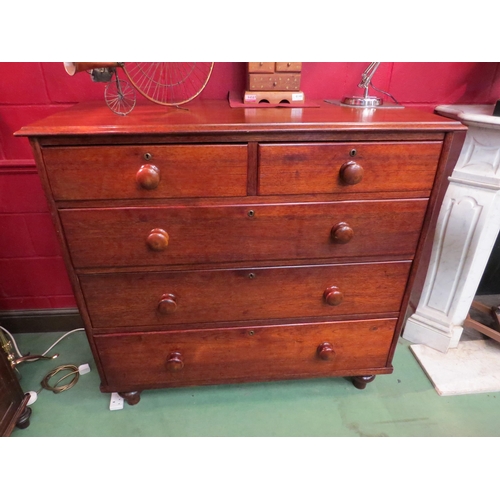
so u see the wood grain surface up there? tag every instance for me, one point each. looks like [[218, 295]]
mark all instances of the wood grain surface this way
[[244, 354], [118, 237], [316, 168], [132, 299]]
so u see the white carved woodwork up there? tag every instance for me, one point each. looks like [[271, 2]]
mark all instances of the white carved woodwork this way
[[467, 228]]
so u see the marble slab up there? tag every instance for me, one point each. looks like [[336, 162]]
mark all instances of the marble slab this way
[[471, 114], [471, 368]]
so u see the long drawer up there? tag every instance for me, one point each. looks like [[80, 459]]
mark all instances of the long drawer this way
[[347, 167], [243, 354], [228, 233], [228, 295], [147, 172]]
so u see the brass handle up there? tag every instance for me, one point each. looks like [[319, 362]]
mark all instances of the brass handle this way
[[351, 173], [333, 296], [148, 176], [175, 362], [167, 304], [157, 239], [342, 233], [325, 351]]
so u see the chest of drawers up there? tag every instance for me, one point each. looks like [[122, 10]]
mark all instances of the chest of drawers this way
[[221, 245]]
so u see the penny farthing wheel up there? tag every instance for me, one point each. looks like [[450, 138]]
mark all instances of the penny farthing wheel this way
[[119, 96], [169, 83]]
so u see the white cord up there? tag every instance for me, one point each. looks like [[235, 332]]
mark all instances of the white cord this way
[[12, 340], [53, 345], [57, 341]]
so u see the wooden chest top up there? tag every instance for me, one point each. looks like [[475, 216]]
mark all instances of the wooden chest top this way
[[208, 117]]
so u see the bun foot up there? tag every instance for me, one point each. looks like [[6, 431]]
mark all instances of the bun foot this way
[[24, 419], [132, 398], [360, 382]]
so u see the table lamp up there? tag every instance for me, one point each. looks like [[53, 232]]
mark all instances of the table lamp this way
[[365, 101]]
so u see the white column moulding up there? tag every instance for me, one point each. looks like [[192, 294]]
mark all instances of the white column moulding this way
[[466, 231]]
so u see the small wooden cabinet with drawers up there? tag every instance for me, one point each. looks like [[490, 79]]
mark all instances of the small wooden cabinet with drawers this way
[[220, 245]]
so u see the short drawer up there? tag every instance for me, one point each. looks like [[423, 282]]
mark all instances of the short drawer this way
[[288, 66], [201, 357], [261, 67], [122, 172], [229, 295], [347, 167], [121, 237]]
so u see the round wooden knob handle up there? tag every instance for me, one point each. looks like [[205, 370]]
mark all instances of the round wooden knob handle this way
[[325, 351], [157, 240], [342, 233], [333, 296], [351, 173], [167, 304], [175, 362], [148, 176]]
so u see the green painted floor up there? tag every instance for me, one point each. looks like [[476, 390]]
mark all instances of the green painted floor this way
[[401, 404]]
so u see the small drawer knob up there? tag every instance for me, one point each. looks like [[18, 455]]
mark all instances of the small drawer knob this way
[[333, 296], [148, 176], [342, 233], [175, 362], [351, 173], [157, 240], [325, 351], [167, 304]]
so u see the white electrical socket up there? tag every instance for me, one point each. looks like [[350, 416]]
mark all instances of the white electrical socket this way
[[116, 402]]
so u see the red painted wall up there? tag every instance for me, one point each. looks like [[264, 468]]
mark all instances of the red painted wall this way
[[32, 274]]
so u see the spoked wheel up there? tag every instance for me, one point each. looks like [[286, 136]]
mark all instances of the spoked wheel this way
[[120, 96], [169, 83]]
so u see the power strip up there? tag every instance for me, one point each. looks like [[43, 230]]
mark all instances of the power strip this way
[[116, 402]]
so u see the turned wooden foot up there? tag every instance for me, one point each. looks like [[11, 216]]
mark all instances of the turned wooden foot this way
[[132, 398], [24, 419], [360, 382]]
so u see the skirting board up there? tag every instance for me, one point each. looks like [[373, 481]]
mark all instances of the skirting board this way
[[41, 320], [472, 368]]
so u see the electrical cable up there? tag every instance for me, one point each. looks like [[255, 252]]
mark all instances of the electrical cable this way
[[76, 371], [58, 389], [384, 92], [16, 348], [57, 341]]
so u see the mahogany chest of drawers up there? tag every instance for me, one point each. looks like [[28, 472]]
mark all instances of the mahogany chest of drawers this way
[[220, 245]]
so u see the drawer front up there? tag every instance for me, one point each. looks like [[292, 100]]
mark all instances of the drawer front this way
[[205, 296], [116, 172], [249, 354], [289, 66], [331, 168], [261, 67], [276, 81], [123, 237]]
